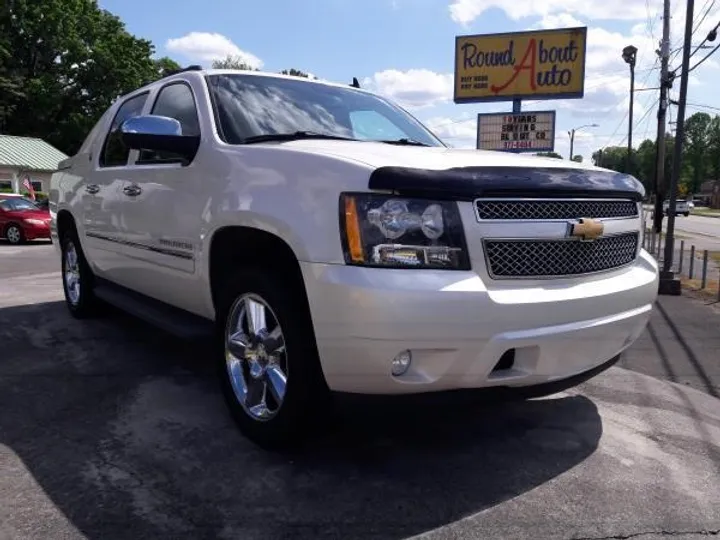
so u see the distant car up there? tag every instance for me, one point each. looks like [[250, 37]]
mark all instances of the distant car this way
[[21, 219], [681, 207]]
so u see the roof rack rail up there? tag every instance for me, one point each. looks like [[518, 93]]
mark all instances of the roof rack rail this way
[[193, 67]]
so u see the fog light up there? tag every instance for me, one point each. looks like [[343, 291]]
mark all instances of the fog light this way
[[401, 363]]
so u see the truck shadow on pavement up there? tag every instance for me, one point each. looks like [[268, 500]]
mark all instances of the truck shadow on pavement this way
[[110, 429]]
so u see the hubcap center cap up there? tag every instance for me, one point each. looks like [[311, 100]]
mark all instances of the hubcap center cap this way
[[257, 359]]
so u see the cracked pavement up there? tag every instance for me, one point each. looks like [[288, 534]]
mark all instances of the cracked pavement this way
[[110, 429]]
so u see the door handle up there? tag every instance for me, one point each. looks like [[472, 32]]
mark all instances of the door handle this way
[[132, 191], [92, 188]]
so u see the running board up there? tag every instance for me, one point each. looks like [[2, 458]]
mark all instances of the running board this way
[[169, 318]]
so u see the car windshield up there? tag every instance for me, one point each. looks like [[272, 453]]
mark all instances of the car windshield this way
[[249, 106], [19, 204]]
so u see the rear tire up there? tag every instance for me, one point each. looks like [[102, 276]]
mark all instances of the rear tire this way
[[268, 363], [686, 214], [15, 234], [78, 279]]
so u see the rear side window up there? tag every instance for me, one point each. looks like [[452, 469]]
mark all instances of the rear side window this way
[[115, 153], [174, 101]]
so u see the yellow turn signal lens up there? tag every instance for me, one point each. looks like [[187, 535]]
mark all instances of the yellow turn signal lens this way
[[352, 230]]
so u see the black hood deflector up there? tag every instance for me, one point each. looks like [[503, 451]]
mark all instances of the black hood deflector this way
[[468, 183]]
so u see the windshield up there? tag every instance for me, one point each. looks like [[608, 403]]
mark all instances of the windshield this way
[[19, 203], [250, 106]]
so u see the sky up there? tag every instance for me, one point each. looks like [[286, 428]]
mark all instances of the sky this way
[[404, 50]]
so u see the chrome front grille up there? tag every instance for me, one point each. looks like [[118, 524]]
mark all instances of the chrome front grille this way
[[555, 209], [528, 258]]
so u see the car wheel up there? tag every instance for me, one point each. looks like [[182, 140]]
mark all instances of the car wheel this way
[[15, 234], [268, 364], [78, 279], [686, 214]]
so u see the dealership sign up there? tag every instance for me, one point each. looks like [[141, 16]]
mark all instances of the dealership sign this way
[[545, 64], [517, 132]]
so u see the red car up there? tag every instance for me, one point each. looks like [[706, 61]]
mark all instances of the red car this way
[[21, 219]]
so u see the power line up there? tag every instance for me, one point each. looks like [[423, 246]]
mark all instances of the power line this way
[[699, 106], [643, 117], [708, 55]]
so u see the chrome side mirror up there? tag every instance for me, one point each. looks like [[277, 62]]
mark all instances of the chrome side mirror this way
[[152, 125], [159, 134]]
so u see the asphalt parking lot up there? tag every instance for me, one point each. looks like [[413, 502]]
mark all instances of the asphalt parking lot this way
[[110, 429]]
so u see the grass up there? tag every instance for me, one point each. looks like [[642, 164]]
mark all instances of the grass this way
[[692, 286], [706, 213]]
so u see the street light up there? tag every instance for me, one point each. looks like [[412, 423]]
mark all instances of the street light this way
[[571, 133], [629, 54]]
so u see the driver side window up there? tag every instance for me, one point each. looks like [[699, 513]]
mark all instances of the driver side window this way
[[173, 101], [115, 153]]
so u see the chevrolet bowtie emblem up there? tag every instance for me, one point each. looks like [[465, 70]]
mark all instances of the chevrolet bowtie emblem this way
[[586, 229]]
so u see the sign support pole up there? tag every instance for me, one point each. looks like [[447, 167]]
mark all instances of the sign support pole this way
[[517, 108]]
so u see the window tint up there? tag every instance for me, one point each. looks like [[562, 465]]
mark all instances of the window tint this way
[[174, 101], [115, 153], [372, 125], [249, 105]]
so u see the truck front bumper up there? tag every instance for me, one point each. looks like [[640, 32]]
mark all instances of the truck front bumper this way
[[457, 328]]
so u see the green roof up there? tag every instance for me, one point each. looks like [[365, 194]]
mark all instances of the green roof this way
[[29, 153]]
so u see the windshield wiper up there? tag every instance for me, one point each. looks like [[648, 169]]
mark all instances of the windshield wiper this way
[[293, 137], [404, 142]]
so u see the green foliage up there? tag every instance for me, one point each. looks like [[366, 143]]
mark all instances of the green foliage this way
[[549, 154], [69, 61], [296, 73], [578, 158], [165, 66], [233, 62], [713, 154], [695, 149]]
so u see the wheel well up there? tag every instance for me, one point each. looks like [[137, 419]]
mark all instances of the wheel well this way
[[65, 222], [233, 246]]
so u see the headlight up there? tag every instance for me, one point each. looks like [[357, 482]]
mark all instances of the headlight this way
[[395, 232], [31, 221]]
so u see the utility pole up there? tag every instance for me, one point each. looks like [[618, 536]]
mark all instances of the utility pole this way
[[669, 285], [630, 57], [662, 112]]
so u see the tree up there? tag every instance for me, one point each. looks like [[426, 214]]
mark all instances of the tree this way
[[297, 73], [612, 157], [233, 62], [695, 150], [71, 59], [165, 66], [549, 154], [644, 161], [577, 158], [714, 148]]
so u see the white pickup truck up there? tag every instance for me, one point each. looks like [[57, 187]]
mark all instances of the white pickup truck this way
[[328, 242]]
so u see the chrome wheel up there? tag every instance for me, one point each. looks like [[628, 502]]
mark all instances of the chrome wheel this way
[[14, 234], [72, 274], [255, 357]]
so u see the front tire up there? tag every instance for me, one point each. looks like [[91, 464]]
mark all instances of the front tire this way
[[15, 234], [268, 361], [78, 278]]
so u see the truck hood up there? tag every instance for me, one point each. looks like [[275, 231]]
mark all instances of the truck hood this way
[[466, 174], [435, 158]]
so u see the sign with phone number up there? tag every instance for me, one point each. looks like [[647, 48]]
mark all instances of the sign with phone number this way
[[517, 132]]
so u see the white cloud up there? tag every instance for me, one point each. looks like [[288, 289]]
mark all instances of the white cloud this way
[[457, 132], [466, 11], [415, 88], [207, 46]]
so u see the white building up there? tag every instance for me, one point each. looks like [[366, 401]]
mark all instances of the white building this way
[[27, 156]]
